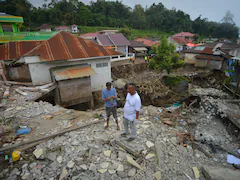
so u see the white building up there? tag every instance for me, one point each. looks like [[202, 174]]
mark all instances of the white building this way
[[75, 28]]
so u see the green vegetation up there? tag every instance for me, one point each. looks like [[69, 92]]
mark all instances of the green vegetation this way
[[166, 57], [152, 21], [174, 80]]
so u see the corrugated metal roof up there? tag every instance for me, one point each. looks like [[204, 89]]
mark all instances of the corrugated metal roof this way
[[181, 40], [119, 39], [209, 57], [66, 46], [136, 44], [14, 50], [90, 34], [146, 42], [72, 72], [104, 40], [45, 26]]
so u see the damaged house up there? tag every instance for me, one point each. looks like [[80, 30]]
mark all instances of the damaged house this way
[[214, 56], [78, 67]]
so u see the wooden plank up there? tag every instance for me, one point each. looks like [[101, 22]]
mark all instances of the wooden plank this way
[[18, 83], [47, 137]]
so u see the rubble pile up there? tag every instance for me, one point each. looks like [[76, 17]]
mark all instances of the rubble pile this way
[[173, 142]]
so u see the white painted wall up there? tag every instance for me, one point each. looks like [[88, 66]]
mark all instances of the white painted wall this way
[[122, 49], [40, 71]]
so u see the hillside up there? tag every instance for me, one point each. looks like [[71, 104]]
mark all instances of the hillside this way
[[135, 32]]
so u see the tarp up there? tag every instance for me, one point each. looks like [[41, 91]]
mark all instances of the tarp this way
[[140, 49]]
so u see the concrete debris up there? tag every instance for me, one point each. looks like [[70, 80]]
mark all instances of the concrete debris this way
[[149, 144], [63, 174], [70, 164], [107, 153], [196, 172], [150, 155], [38, 153], [133, 163], [104, 165], [94, 153], [219, 173], [157, 175]]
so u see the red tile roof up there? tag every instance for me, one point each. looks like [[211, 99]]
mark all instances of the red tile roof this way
[[45, 26], [14, 50], [181, 40], [65, 46], [146, 42], [184, 34]]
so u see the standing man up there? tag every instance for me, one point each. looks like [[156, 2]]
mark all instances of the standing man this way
[[131, 112], [109, 97]]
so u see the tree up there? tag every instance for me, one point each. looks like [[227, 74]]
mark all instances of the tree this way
[[166, 57], [228, 18], [126, 32]]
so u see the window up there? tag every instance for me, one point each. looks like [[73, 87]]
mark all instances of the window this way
[[98, 65]]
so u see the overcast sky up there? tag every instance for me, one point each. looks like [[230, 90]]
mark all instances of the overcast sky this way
[[214, 10]]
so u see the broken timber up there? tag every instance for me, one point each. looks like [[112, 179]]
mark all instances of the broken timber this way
[[39, 96], [18, 83], [48, 137]]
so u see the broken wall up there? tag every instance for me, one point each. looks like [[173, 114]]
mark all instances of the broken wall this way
[[19, 73]]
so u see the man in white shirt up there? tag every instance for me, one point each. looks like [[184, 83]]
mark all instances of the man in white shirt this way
[[131, 112]]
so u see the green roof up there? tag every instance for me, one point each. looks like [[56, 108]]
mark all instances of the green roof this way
[[11, 19], [25, 36]]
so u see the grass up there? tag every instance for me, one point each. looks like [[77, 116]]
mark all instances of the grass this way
[[135, 32]]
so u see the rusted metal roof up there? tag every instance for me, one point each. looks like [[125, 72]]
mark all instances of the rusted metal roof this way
[[72, 72], [66, 46], [217, 58], [14, 50], [146, 42]]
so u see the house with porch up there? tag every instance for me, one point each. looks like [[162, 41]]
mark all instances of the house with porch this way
[[137, 48], [78, 67]]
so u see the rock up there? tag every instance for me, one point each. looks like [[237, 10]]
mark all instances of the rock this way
[[107, 153], [149, 144], [150, 155], [70, 164], [132, 172], [25, 166], [75, 143], [122, 174], [113, 156], [173, 140], [120, 167], [157, 175], [63, 174], [104, 165], [25, 176], [115, 166], [83, 166], [32, 165], [196, 172], [217, 173], [132, 162], [102, 171], [111, 171], [38, 153], [93, 168], [59, 159]]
